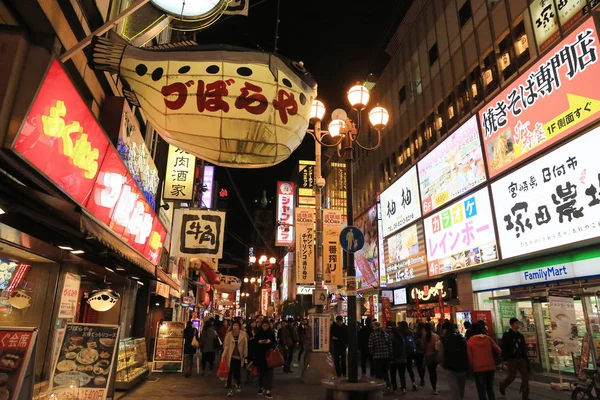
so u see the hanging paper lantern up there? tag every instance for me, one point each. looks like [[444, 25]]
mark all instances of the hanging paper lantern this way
[[230, 106], [228, 283]]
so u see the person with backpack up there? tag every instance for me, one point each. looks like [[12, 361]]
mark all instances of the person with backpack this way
[[411, 350], [363, 345], [398, 364], [453, 357], [480, 349], [380, 347]]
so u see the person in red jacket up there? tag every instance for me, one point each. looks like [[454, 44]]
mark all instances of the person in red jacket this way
[[481, 360]]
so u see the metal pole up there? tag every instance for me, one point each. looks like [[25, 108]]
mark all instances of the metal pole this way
[[103, 29], [319, 216], [351, 272]]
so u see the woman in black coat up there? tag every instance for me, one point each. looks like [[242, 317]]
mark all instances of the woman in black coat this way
[[251, 330], [189, 333], [265, 340]]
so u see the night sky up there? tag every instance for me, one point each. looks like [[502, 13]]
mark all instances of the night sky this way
[[340, 42]]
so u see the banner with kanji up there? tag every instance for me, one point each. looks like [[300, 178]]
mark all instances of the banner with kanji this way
[[305, 246], [332, 250], [285, 214], [198, 232], [16, 350]]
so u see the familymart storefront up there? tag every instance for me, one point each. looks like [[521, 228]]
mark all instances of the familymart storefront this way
[[556, 300]]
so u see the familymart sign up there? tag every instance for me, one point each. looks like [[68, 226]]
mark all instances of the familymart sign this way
[[581, 265]]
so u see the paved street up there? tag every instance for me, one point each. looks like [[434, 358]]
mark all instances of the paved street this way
[[289, 387]]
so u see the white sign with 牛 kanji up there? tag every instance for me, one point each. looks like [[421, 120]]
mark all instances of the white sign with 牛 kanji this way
[[551, 202], [285, 214], [198, 232], [69, 296], [305, 246], [332, 250]]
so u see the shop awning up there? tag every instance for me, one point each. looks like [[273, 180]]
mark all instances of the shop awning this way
[[164, 277], [97, 231]]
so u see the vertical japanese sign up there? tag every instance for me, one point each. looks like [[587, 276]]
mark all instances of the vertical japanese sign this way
[[264, 301], [320, 324], [16, 359], [380, 250], [69, 296], [405, 255], [87, 357], [386, 309], [305, 246], [332, 251], [565, 336], [366, 260], [485, 316], [198, 232], [306, 187], [452, 168], [179, 176], [168, 348], [285, 214], [400, 203], [554, 98], [208, 177], [461, 236], [544, 16], [552, 201]]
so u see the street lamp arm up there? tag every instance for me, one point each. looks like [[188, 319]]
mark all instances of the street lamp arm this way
[[318, 139], [366, 148]]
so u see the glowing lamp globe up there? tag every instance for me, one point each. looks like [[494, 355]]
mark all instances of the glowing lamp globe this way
[[103, 300], [358, 96], [336, 126], [317, 111], [379, 117], [272, 260]]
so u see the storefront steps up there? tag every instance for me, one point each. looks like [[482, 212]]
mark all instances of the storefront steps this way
[[175, 386]]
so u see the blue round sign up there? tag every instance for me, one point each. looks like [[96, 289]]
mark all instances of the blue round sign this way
[[352, 239]]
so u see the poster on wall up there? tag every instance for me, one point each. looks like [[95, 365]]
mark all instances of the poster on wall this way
[[565, 336], [69, 296], [452, 168], [366, 260], [320, 324], [508, 310], [198, 232], [554, 98], [552, 201], [400, 203], [285, 214], [332, 250], [405, 255], [168, 347], [86, 361], [305, 247], [462, 235], [17, 360]]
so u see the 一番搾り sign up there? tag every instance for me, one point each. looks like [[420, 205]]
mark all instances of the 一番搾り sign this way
[[555, 97]]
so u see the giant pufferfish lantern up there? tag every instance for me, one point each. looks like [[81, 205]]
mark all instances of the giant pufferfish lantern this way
[[230, 106]]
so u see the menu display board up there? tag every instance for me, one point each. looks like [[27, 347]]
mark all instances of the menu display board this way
[[366, 260], [86, 359], [405, 255], [452, 168], [462, 235], [400, 203], [16, 362], [552, 201], [168, 348], [554, 98]]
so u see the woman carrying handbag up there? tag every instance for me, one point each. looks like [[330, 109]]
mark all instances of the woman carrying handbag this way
[[265, 339], [235, 351], [190, 337]]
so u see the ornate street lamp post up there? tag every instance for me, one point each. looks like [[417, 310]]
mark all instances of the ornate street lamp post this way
[[345, 134]]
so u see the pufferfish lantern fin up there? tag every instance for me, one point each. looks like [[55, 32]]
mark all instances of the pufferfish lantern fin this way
[[171, 46], [130, 95], [107, 53]]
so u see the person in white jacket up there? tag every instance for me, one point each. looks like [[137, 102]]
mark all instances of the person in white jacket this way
[[235, 351]]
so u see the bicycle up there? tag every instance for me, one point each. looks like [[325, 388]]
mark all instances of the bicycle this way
[[585, 390]]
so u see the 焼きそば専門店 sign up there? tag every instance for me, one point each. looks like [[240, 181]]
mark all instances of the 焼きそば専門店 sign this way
[[554, 98], [63, 140]]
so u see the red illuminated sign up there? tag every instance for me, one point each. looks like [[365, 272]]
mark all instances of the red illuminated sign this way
[[63, 140]]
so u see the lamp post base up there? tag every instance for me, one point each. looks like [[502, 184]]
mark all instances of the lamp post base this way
[[364, 389], [317, 366]]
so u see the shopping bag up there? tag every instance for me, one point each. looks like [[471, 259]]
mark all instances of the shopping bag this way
[[223, 371], [195, 342], [274, 358], [254, 371]]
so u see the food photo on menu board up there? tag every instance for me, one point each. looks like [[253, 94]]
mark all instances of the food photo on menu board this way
[[452, 168], [168, 350], [15, 353], [85, 361]]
